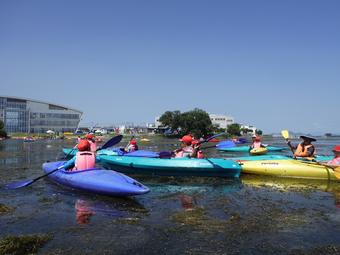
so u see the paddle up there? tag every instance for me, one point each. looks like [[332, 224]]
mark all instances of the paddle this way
[[285, 135], [168, 154], [21, 184]]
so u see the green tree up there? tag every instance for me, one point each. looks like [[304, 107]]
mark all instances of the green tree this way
[[171, 120], [258, 132], [234, 129], [196, 122], [1, 124]]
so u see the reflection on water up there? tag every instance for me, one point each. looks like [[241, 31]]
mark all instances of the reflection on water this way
[[251, 215]]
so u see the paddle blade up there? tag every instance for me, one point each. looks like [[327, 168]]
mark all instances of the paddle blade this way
[[113, 141], [285, 134], [17, 185]]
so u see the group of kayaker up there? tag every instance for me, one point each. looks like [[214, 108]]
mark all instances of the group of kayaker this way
[[190, 148]]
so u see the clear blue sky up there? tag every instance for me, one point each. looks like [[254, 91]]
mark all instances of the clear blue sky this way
[[273, 64]]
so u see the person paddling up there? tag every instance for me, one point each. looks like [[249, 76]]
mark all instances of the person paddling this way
[[336, 160], [198, 145], [304, 149], [84, 159], [91, 139]]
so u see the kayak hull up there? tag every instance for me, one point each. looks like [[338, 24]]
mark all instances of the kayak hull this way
[[288, 168], [246, 148], [96, 180], [317, 158], [115, 152], [173, 166]]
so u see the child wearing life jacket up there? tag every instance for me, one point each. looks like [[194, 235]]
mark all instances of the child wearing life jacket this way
[[132, 146], [84, 159], [336, 160], [197, 145], [256, 143], [187, 150], [91, 139], [304, 149]]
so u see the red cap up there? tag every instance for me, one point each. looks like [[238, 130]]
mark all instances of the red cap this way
[[89, 136], [133, 142], [186, 139], [83, 145], [336, 148]]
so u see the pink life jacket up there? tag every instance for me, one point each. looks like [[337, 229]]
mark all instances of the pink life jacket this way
[[85, 160], [334, 162], [93, 146], [185, 152], [256, 145], [200, 154]]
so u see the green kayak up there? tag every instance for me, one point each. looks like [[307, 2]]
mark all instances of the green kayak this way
[[173, 166], [246, 148]]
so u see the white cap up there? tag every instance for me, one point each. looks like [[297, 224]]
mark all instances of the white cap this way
[[253, 136]]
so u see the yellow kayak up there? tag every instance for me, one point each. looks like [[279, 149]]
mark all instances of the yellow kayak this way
[[288, 168], [258, 151]]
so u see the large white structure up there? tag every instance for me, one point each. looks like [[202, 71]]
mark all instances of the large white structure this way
[[32, 116], [249, 127], [222, 121]]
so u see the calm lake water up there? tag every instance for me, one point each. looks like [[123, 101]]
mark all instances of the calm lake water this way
[[250, 215]]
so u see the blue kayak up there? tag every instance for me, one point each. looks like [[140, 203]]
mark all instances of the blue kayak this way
[[96, 180], [246, 148], [173, 166]]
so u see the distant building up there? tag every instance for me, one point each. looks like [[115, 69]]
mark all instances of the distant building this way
[[222, 121], [252, 129], [32, 116]]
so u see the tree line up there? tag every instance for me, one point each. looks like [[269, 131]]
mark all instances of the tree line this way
[[2, 129], [198, 123]]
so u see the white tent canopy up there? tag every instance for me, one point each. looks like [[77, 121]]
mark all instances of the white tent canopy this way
[[50, 132]]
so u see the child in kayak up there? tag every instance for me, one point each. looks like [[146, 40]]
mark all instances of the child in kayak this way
[[84, 159], [256, 143], [188, 149], [304, 149], [336, 160], [132, 146], [91, 139]]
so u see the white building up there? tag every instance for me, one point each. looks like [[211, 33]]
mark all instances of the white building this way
[[249, 127], [33, 116], [222, 121]]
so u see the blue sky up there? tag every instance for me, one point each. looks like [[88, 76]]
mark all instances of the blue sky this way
[[273, 64]]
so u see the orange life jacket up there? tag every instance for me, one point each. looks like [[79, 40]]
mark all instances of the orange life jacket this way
[[85, 160], [302, 151]]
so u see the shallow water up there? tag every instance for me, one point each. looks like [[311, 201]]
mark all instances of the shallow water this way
[[250, 215]]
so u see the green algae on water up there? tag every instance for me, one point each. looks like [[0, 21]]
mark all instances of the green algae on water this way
[[5, 209], [27, 244]]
